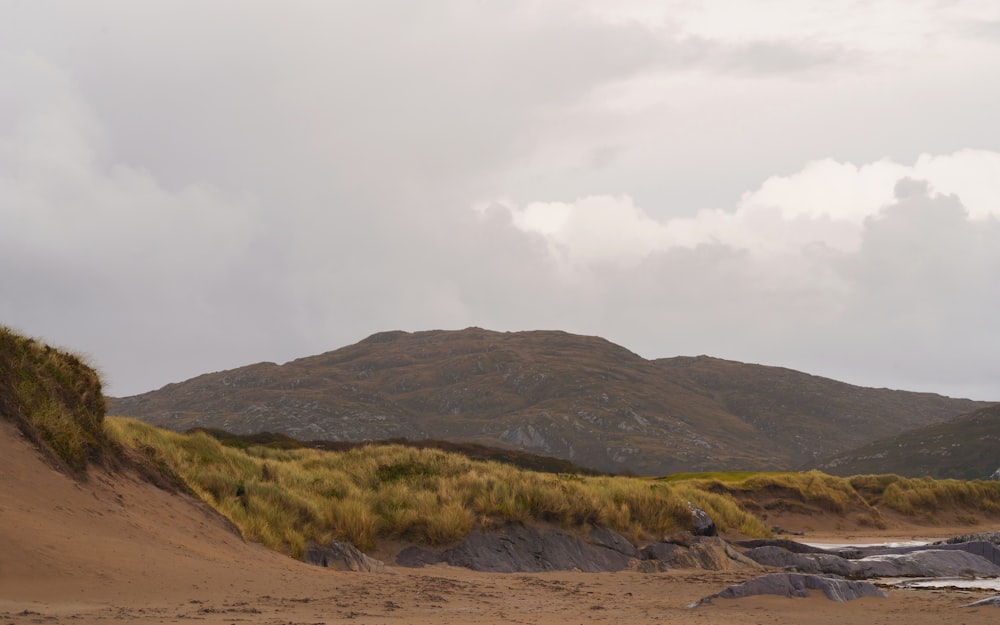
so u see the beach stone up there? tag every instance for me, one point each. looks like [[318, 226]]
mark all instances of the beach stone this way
[[342, 557], [798, 585]]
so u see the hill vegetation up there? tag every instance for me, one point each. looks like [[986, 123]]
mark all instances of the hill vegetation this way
[[964, 448], [579, 398]]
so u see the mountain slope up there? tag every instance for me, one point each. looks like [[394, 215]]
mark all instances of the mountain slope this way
[[575, 397], [966, 447]]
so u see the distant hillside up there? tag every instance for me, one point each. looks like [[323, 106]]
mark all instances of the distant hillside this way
[[966, 447], [580, 398]]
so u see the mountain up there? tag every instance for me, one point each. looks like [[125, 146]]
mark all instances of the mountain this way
[[575, 397], [966, 447]]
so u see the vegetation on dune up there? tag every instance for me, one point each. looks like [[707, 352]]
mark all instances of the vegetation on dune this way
[[285, 497], [926, 496], [517, 458], [55, 398]]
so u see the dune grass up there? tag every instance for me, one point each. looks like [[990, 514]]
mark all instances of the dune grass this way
[[365, 495], [927, 496], [54, 397], [286, 497]]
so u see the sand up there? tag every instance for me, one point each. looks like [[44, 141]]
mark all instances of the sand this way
[[116, 549]]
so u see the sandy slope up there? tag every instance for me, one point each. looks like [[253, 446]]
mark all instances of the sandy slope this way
[[118, 550]]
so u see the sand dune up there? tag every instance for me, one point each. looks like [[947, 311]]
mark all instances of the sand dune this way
[[116, 549]]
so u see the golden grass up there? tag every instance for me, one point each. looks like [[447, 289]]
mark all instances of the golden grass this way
[[285, 498], [54, 397]]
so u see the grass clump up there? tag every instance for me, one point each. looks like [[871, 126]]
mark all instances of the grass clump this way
[[55, 399]]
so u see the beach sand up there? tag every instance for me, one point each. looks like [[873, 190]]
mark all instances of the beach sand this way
[[116, 549]]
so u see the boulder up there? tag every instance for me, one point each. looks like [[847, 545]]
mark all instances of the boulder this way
[[798, 585], [342, 557], [703, 524]]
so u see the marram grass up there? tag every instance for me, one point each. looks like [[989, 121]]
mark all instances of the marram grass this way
[[284, 498], [287, 497]]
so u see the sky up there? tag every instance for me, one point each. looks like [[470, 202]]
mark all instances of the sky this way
[[191, 186]]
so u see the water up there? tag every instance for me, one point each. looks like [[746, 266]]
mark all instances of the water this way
[[979, 583]]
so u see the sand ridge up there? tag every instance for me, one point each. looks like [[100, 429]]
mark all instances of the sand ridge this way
[[117, 549]]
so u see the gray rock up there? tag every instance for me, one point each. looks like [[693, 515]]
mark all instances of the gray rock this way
[[703, 524], [986, 537], [992, 601], [922, 562], [798, 585], [342, 557], [702, 552], [784, 543], [517, 548]]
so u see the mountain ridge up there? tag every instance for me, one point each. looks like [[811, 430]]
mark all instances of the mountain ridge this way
[[581, 398], [960, 448]]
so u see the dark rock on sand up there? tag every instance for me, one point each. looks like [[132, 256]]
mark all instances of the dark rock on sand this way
[[784, 543], [696, 552], [992, 601], [908, 562], [341, 556], [518, 548], [798, 585]]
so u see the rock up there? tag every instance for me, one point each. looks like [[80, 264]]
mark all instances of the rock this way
[[941, 561], [342, 557], [996, 475], [704, 552], [986, 537], [703, 524], [798, 585], [517, 548], [992, 601], [790, 545]]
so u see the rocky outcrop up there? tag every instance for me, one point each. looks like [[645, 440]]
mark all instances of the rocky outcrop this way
[[986, 537], [690, 552], [342, 557], [798, 585], [940, 560], [517, 548]]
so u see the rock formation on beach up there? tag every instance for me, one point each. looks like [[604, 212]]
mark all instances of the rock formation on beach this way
[[797, 585]]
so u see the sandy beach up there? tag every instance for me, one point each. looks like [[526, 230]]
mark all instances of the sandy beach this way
[[116, 549]]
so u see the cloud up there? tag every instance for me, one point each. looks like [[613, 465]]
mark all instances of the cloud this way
[[188, 186]]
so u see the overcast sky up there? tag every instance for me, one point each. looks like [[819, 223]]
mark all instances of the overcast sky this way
[[190, 186]]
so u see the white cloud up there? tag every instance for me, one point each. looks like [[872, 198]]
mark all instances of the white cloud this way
[[825, 204]]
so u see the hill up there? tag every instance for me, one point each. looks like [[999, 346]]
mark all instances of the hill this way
[[579, 398], [962, 448]]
